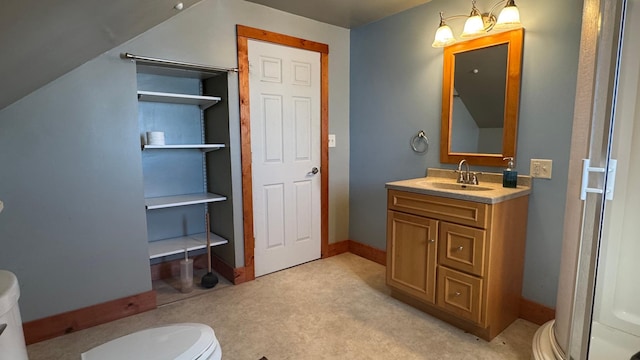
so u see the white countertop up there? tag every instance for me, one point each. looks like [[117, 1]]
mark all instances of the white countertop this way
[[442, 182]]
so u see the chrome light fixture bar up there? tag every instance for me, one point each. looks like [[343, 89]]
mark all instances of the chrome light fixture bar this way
[[478, 23]]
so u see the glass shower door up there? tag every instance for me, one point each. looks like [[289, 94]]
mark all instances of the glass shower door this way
[[606, 319], [615, 322]]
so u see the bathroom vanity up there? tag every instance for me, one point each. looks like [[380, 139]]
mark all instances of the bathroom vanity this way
[[457, 251]]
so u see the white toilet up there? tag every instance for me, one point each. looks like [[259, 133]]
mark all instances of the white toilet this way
[[12, 344], [188, 341]]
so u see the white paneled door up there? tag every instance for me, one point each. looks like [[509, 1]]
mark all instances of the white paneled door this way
[[284, 84]]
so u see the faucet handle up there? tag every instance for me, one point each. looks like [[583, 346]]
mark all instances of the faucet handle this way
[[461, 178], [474, 178]]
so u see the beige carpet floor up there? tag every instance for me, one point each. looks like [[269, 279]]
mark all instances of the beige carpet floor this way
[[336, 308]]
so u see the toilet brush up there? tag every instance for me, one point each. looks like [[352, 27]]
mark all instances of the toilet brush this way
[[210, 279]]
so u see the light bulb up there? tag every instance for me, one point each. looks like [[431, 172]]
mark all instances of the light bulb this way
[[473, 26], [444, 37], [509, 16]]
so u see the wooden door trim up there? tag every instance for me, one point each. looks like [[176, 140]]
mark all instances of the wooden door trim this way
[[245, 33]]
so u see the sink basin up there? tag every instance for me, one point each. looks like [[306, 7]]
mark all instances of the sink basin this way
[[453, 186]]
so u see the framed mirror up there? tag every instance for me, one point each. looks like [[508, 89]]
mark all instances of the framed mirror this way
[[480, 99]]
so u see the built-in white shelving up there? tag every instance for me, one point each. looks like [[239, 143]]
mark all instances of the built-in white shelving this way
[[153, 96], [178, 245], [201, 147], [181, 200], [171, 169]]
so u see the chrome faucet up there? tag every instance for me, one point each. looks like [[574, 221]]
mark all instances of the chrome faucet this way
[[462, 176], [466, 177]]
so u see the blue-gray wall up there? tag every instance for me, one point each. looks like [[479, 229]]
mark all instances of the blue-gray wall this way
[[206, 34], [396, 81], [73, 225], [73, 229]]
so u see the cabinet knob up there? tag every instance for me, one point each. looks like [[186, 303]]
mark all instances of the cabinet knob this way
[[460, 248], [457, 294], [432, 241]]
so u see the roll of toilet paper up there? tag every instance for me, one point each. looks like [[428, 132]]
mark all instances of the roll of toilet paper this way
[[155, 138]]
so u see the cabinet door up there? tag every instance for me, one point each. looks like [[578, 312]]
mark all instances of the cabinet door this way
[[411, 254]]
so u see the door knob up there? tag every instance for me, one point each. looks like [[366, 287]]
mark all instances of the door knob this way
[[314, 171]]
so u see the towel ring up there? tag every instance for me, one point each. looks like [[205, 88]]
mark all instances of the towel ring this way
[[421, 135]]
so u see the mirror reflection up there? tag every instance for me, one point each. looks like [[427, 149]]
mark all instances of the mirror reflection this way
[[477, 119], [480, 99]]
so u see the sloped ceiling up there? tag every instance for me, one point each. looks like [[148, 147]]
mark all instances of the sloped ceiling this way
[[344, 13], [42, 40]]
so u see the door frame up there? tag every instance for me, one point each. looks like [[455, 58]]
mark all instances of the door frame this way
[[244, 33]]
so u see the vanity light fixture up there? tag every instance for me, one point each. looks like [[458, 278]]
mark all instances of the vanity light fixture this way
[[478, 23]]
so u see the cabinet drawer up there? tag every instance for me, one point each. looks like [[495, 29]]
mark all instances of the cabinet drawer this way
[[460, 294], [462, 248], [436, 207]]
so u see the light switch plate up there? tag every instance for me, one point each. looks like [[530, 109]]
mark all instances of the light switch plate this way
[[332, 140], [541, 168]]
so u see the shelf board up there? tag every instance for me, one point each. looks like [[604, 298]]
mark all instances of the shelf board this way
[[203, 101], [181, 200], [178, 245], [155, 68], [201, 147]]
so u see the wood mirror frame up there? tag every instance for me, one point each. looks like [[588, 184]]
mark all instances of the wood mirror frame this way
[[514, 40]]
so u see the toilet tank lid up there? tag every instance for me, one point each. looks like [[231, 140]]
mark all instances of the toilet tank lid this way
[[185, 341], [9, 291]]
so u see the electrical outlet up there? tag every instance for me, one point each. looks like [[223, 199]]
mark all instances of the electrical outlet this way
[[541, 168], [332, 140]]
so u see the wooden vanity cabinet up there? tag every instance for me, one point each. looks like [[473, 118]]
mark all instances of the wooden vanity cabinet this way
[[461, 261]]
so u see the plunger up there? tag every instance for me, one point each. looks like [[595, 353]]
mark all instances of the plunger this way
[[210, 279]]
